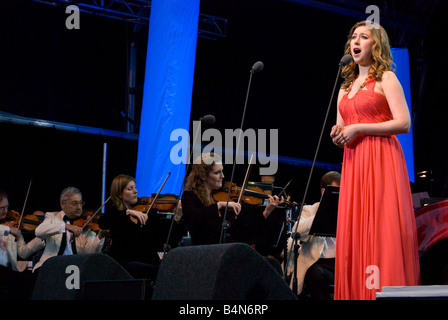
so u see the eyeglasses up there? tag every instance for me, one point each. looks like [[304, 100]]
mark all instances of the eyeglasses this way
[[4, 208], [76, 203]]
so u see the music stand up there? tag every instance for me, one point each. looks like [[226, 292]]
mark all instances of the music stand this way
[[324, 223], [272, 233]]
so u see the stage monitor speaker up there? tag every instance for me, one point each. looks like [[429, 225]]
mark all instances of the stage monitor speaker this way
[[62, 277], [233, 271], [133, 289]]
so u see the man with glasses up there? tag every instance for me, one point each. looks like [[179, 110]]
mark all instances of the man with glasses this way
[[62, 237]]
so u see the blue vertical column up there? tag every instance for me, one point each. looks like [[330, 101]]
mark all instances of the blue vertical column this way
[[401, 61], [167, 95]]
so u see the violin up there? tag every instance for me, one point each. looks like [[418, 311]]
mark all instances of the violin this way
[[12, 218], [151, 202], [88, 219], [28, 222], [31, 221], [252, 196], [163, 204]]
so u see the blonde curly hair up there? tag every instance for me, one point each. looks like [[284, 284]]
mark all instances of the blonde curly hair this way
[[381, 55], [202, 166]]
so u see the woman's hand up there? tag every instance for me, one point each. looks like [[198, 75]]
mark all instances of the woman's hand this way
[[234, 206], [274, 201], [343, 135], [335, 135], [140, 216]]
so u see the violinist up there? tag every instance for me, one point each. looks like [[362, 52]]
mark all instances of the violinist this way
[[13, 273], [133, 233], [61, 235], [203, 214]]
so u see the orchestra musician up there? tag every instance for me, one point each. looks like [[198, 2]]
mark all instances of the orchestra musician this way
[[133, 232], [13, 274], [62, 237], [203, 214], [315, 263]]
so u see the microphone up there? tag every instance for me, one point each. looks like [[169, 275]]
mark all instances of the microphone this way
[[208, 119], [346, 59], [258, 66]]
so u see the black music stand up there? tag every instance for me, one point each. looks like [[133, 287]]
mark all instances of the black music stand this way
[[271, 236], [324, 223]]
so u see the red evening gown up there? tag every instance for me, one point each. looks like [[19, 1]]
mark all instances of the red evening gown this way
[[376, 240]]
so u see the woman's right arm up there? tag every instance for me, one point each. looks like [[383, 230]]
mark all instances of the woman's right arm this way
[[340, 124], [234, 206], [112, 219]]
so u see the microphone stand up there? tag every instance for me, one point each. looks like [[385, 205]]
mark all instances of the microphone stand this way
[[258, 66], [296, 235]]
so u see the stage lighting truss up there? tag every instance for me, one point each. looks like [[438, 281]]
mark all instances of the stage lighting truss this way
[[137, 12]]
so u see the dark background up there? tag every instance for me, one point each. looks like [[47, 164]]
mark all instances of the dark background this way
[[80, 77]]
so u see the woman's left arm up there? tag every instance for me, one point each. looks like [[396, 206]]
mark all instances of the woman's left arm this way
[[274, 201], [393, 91]]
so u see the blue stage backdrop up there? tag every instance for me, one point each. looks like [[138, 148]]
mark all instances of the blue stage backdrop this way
[[167, 95], [401, 61]]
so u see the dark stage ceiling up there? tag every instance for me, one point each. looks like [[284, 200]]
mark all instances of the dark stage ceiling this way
[[81, 76]]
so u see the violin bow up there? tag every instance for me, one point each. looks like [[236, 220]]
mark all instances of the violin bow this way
[[283, 190], [24, 204], [287, 197], [246, 178], [93, 215], [157, 195]]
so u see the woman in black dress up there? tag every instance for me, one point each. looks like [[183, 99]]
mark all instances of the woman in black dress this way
[[203, 215], [133, 233]]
